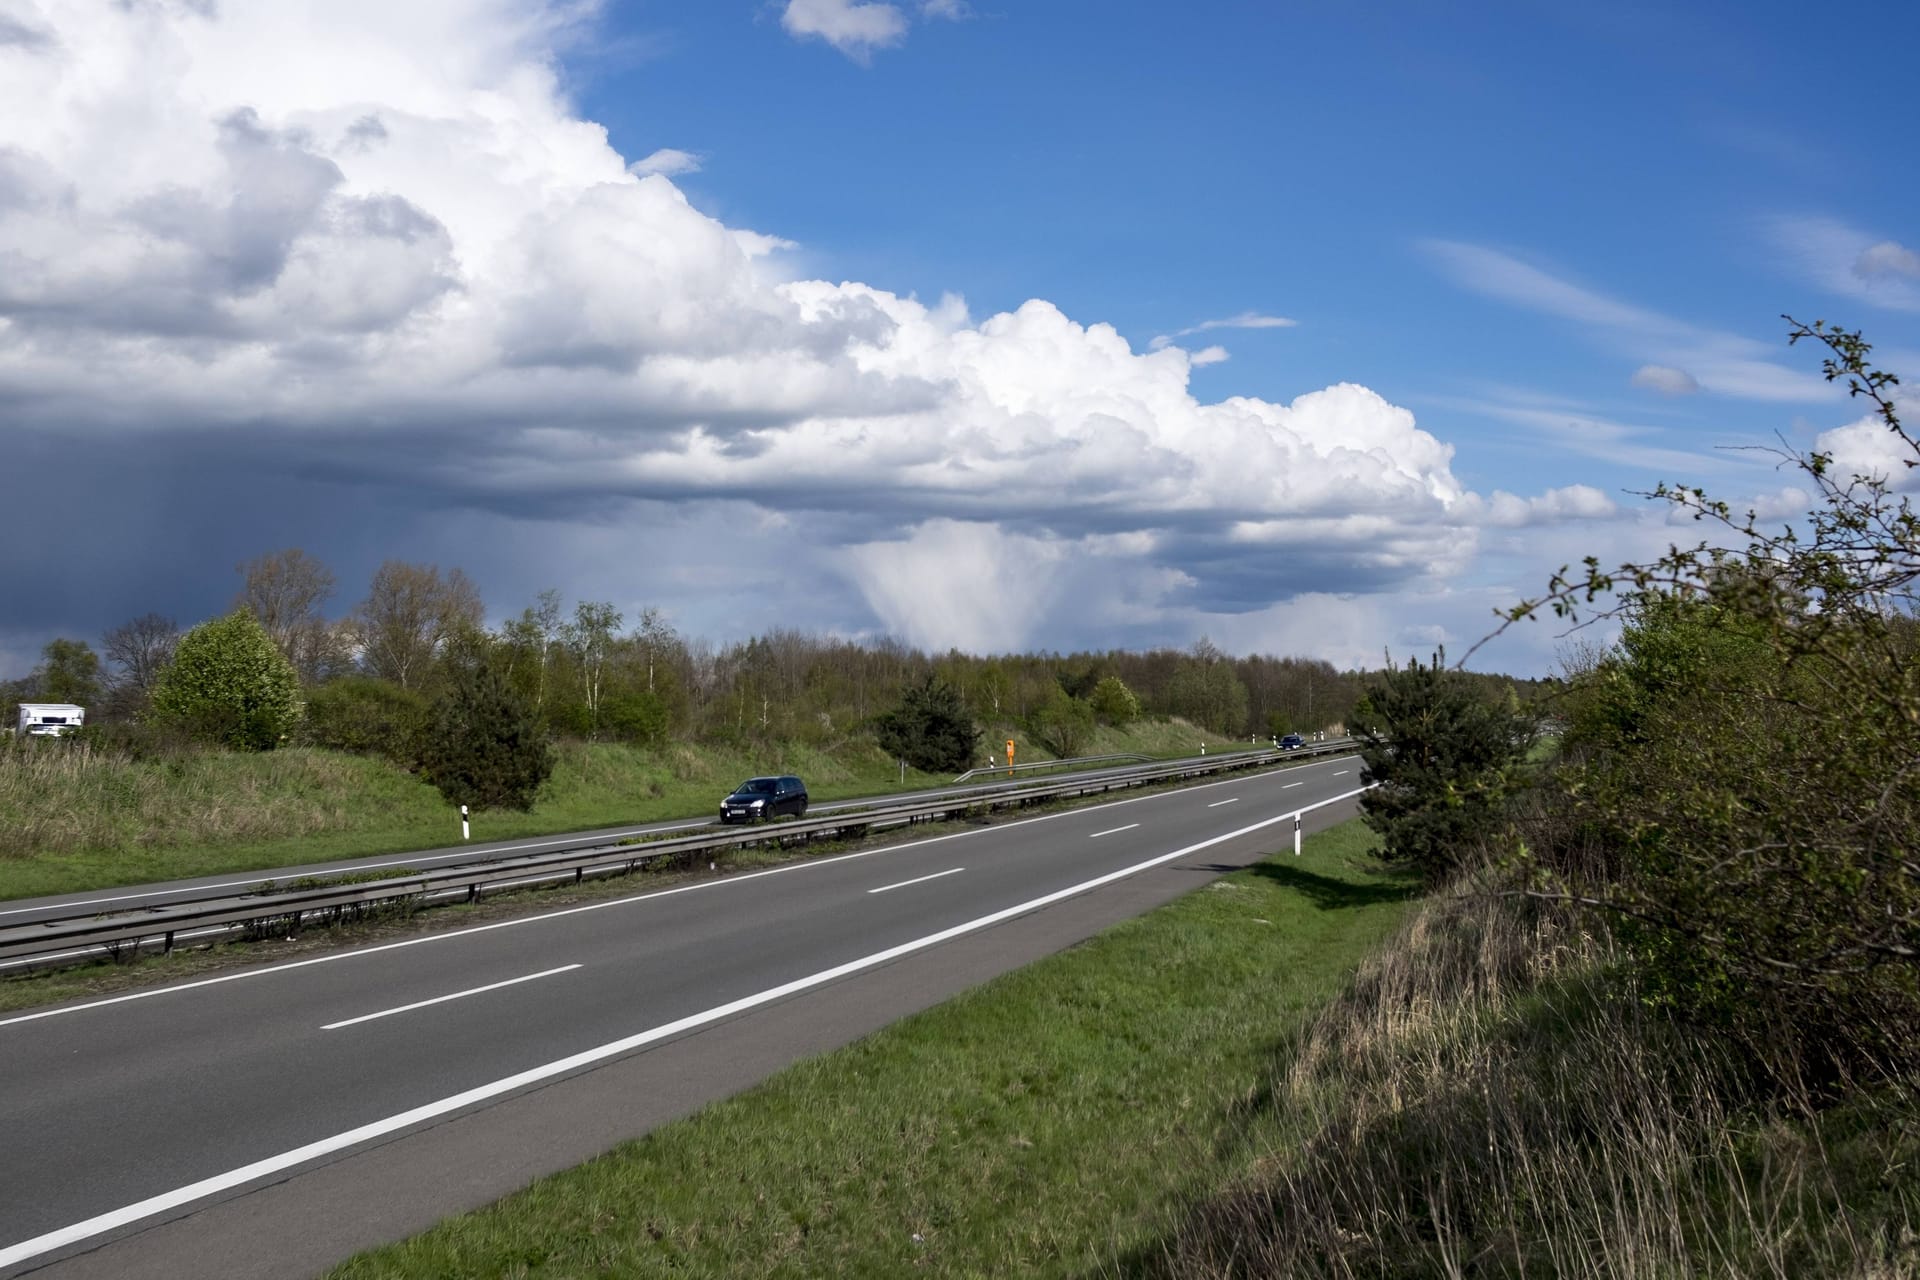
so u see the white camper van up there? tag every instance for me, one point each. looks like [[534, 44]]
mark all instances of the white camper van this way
[[50, 719]]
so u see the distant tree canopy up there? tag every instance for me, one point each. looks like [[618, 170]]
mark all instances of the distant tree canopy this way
[[69, 671], [1062, 724], [1113, 703], [229, 683], [931, 729]]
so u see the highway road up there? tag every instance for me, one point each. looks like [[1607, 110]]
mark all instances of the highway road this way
[[128, 897], [274, 1119]]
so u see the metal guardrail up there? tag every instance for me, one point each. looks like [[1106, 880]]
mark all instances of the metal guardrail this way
[[272, 909], [1049, 764]]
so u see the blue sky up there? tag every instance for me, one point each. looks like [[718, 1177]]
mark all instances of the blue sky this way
[[1552, 239]]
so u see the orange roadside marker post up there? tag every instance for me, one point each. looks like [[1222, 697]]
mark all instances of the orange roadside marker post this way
[[1009, 755]]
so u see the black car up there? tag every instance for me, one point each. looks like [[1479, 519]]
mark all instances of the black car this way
[[764, 799], [1291, 741]]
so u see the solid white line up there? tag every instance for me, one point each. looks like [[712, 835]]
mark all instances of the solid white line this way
[[1235, 800], [458, 995], [1116, 831], [922, 880], [448, 935], [105, 1222]]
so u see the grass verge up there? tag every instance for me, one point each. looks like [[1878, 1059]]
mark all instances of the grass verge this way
[[1028, 1127]]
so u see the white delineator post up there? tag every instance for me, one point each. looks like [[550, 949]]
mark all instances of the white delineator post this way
[[465, 832], [1296, 835]]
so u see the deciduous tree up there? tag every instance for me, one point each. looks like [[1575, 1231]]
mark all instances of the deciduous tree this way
[[409, 612]]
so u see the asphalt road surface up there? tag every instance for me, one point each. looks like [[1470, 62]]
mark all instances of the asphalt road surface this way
[[272, 1120]]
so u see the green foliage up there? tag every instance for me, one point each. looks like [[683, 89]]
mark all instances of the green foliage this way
[[229, 683], [635, 716], [69, 671], [367, 715], [1745, 760], [1206, 691], [931, 729], [1113, 703], [1062, 724], [484, 746], [1446, 758]]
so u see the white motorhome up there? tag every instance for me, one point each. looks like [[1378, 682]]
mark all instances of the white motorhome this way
[[50, 719]]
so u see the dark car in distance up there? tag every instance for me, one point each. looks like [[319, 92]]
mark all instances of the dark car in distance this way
[[1291, 741], [764, 799]]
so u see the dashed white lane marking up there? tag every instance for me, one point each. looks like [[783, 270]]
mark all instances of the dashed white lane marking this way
[[1115, 831], [458, 995], [921, 880], [1217, 803]]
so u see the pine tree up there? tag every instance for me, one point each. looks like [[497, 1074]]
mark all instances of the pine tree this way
[[484, 746]]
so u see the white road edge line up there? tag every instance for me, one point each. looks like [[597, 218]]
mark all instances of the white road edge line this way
[[922, 880], [1114, 832], [1231, 800], [449, 935], [117, 1218], [458, 995]]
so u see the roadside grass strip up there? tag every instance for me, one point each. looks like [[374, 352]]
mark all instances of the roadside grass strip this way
[[1041, 1124]]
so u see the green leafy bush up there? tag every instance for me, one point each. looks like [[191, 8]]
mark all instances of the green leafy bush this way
[[367, 715], [1113, 703], [1748, 759], [229, 683], [1062, 724]]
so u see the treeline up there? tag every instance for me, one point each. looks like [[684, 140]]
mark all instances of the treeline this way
[[592, 671]]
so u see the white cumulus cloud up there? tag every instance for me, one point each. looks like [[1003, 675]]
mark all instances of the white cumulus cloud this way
[[363, 271], [854, 27]]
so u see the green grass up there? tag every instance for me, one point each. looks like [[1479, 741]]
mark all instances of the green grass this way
[[1034, 1126], [73, 820]]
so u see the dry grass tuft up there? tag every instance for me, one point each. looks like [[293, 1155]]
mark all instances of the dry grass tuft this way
[[72, 797], [1489, 1099]]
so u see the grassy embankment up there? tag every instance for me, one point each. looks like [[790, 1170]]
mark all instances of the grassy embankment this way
[[74, 820], [1227, 1088]]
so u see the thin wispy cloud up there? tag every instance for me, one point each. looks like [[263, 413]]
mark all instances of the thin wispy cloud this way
[[668, 162], [1850, 262], [1718, 362], [1245, 320]]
